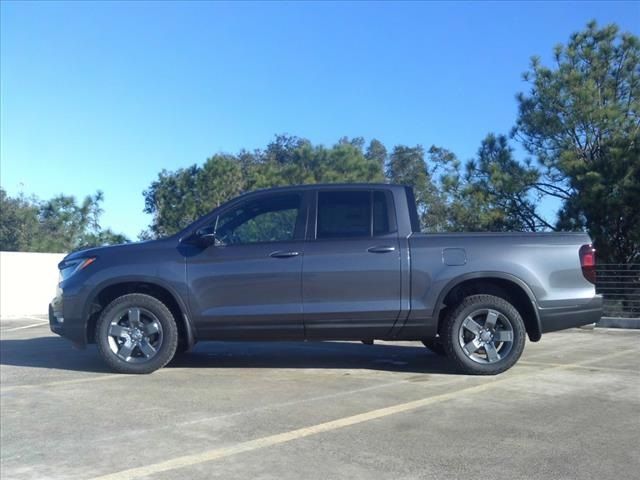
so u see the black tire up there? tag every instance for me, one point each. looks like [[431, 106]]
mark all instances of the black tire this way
[[155, 312], [509, 324], [435, 346]]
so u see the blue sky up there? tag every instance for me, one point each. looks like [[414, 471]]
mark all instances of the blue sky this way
[[105, 95]]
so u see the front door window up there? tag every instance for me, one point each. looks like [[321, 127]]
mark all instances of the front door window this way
[[260, 221]]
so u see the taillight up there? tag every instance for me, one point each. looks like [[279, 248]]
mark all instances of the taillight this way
[[588, 262]]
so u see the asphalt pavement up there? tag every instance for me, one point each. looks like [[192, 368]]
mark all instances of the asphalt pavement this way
[[570, 409]]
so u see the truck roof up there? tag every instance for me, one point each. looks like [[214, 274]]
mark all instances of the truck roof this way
[[311, 186]]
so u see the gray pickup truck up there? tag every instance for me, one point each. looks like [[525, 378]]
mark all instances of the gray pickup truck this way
[[326, 262]]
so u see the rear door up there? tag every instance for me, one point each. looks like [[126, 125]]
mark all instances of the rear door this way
[[351, 272]]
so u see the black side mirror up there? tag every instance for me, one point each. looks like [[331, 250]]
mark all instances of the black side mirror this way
[[201, 238], [207, 239]]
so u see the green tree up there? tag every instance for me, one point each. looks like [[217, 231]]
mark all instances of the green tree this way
[[345, 162], [504, 188], [60, 224], [406, 166], [581, 119], [491, 192], [437, 184], [455, 210], [177, 198], [376, 152], [18, 222], [219, 179], [172, 199]]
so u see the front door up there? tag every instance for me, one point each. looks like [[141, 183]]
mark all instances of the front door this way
[[248, 285], [351, 276]]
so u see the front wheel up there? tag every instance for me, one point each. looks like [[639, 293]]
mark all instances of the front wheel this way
[[136, 333], [484, 335]]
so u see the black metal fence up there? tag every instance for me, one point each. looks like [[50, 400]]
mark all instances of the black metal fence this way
[[619, 284]]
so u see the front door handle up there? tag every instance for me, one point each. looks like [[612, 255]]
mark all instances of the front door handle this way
[[283, 254], [381, 249]]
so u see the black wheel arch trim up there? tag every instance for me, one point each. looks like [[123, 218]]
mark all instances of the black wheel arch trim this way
[[533, 336], [155, 281]]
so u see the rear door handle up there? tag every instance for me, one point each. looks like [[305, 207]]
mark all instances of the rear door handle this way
[[282, 254], [381, 249]]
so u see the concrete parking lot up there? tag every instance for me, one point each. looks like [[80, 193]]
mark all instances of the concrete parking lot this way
[[570, 409]]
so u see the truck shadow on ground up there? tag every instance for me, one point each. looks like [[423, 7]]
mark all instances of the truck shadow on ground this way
[[56, 353], [50, 352]]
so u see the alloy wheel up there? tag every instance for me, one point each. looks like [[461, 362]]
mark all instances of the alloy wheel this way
[[486, 336], [135, 335]]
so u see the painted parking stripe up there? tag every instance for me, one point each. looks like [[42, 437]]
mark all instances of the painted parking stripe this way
[[24, 317], [280, 438], [40, 324], [73, 381], [272, 440], [527, 363], [12, 388]]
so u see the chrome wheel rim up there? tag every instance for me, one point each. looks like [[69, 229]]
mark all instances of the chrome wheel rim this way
[[135, 335], [486, 336]]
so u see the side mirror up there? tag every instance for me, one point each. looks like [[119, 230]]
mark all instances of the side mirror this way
[[207, 239], [200, 238]]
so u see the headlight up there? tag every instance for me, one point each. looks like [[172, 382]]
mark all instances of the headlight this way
[[69, 267]]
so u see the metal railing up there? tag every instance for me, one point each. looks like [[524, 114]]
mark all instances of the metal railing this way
[[619, 284]]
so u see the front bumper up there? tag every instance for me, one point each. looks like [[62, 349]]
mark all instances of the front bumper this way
[[56, 319], [66, 321], [554, 319]]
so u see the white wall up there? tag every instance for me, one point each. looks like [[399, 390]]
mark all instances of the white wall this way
[[28, 282]]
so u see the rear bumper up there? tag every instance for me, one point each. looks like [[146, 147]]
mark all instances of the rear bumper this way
[[554, 319]]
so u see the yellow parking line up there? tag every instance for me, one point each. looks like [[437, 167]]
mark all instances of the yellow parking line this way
[[271, 440]]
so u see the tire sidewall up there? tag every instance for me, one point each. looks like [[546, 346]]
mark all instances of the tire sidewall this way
[[169, 332], [454, 323]]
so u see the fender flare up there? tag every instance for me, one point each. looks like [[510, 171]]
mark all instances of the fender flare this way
[[155, 281], [534, 336]]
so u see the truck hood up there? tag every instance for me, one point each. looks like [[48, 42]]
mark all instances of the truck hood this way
[[112, 249]]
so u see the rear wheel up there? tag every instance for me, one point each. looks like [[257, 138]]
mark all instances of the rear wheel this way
[[136, 333], [484, 335]]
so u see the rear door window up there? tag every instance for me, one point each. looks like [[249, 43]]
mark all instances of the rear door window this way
[[380, 214], [343, 214], [354, 214]]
